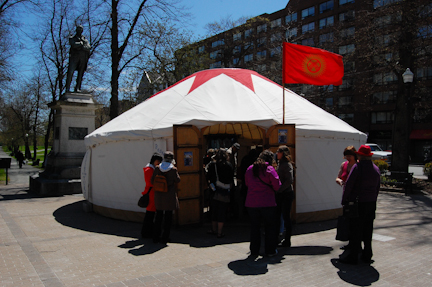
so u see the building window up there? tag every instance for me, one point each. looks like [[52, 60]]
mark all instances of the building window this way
[[236, 61], [347, 84], [349, 66], [248, 33], [382, 21], [347, 16], [343, 2], [216, 65], [261, 41], [380, 3], [384, 78], [347, 49], [261, 55], [237, 37], [237, 50], [290, 33], [349, 118], [275, 52], [218, 43], [425, 32], [327, 88], [276, 37], [386, 58], [345, 101], [249, 46], [261, 68], [348, 32], [382, 40], [215, 54], [308, 42], [308, 27], [329, 102], [276, 23], [386, 97], [326, 38], [201, 49], [291, 18], [326, 6], [425, 73], [248, 58], [382, 117], [308, 12], [326, 22], [262, 28]]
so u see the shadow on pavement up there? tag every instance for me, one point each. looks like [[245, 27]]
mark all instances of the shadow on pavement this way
[[308, 250], [73, 215], [146, 246], [359, 275], [254, 265]]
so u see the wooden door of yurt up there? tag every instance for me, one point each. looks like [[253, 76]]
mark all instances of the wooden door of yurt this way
[[278, 135], [188, 155]]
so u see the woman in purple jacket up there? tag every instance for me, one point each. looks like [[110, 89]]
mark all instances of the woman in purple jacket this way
[[262, 181]]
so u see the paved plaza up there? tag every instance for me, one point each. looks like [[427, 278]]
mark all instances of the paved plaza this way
[[53, 242]]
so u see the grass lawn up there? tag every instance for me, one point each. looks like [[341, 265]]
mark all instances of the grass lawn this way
[[39, 153], [2, 176]]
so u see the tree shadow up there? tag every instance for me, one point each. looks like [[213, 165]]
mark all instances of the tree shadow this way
[[359, 275]]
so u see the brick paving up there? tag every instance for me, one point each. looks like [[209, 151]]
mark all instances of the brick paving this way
[[53, 242]]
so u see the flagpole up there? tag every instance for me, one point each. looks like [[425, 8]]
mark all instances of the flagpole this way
[[283, 86], [283, 97]]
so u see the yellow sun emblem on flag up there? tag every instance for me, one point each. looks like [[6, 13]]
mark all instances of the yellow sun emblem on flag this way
[[314, 65]]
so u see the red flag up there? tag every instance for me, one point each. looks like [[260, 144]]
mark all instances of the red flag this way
[[307, 65]]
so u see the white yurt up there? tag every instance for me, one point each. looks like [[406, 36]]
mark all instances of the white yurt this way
[[184, 118]]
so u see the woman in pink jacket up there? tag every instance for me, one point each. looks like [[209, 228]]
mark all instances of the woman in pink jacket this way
[[262, 181]]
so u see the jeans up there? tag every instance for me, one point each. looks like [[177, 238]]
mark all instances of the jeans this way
[[162, 226], [268, 216], [284, 204]]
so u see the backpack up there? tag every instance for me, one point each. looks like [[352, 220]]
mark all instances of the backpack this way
[[160, 184]]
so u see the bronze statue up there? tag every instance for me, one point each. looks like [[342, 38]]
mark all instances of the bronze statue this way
[[78, 58]]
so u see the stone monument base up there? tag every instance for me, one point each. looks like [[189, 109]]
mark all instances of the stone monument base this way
[[53, 187]]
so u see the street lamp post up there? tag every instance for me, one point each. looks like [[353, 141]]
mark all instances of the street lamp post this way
[[402, 125]]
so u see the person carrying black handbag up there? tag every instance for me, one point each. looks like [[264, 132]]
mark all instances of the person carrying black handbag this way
[[362, 185]]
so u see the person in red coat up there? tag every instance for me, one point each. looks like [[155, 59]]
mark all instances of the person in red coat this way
[[148, 224]]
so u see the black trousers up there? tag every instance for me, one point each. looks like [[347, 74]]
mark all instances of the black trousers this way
[[148, 224], [361, 230], [162, 227], [284, 204], [267, 215]]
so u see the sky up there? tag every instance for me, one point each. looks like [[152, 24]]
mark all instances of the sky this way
[[202, 12], [213, 10]]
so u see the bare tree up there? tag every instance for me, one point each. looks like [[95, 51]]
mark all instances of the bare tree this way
[[126, 45]]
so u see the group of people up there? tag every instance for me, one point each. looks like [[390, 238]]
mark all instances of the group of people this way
[[269, 194], [269, 197], [158, 219], [360, 179]]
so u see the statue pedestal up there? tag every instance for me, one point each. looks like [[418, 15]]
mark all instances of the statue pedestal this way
[[74, 118]]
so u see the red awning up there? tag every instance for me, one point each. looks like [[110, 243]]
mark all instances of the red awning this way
[[421, 135]]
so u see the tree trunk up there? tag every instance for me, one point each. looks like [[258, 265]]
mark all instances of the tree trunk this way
[[402, 114], [47, 135], [115, 59]]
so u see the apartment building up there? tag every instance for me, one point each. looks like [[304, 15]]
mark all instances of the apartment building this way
[[376, 38]]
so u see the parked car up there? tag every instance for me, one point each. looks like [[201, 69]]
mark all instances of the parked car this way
[[378, 153]]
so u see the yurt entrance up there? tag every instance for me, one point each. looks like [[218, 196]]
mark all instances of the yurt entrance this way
[[191, 144]]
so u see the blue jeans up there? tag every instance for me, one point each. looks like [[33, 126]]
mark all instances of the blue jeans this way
[[268, 216]]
